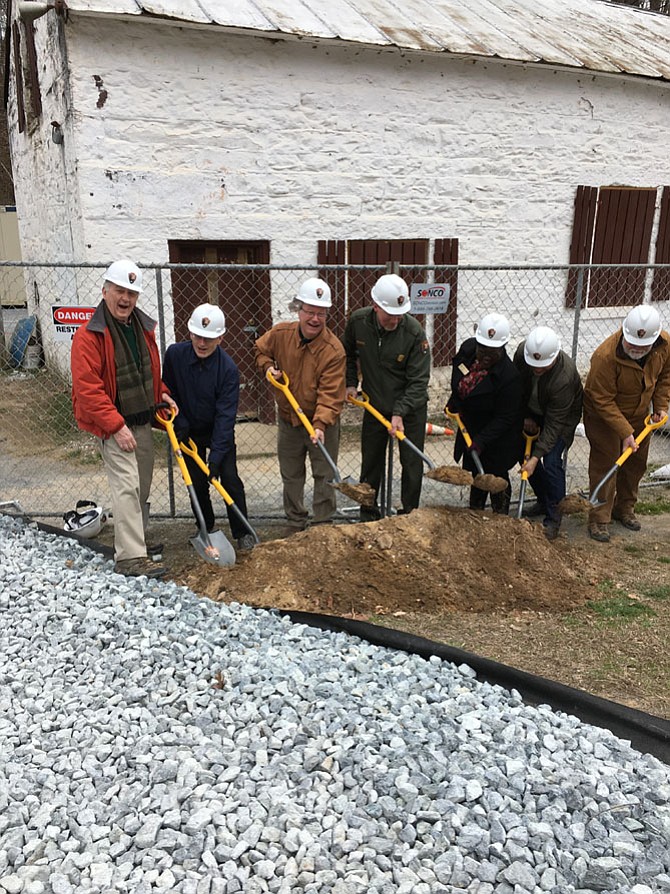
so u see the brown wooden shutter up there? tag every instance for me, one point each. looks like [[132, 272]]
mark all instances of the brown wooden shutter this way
[[660, 288], [624, 219], [333, 251], [18, 77], [582, 240], [444, 342], [34, 83]]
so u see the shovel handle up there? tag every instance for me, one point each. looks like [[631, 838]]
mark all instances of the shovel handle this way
[[167, 422], [649, 426], [364, 402], [527, 450], [283, 387], [466, 437]]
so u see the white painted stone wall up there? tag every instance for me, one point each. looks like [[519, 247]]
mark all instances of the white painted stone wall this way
[[203, 135]]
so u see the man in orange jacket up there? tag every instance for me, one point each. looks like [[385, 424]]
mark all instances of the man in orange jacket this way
[[116, 384]]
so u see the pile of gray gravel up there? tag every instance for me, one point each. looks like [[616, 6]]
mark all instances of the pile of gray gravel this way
[[152, 741]]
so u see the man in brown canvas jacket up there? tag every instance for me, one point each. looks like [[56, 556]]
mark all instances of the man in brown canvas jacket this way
[[629, 379], [313, 359]]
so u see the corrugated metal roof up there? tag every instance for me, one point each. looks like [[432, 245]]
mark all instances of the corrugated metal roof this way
[[589, 34]]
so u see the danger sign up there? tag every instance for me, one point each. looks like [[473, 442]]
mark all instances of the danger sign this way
[[66, 320]]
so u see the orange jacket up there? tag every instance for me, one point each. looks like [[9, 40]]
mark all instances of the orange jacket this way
[[94, 374], [315, 371], [618, 391]]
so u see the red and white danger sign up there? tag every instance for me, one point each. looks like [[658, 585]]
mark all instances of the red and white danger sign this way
[[66, 320]]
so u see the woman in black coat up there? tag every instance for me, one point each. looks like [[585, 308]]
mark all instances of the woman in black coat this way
[[487, 392]]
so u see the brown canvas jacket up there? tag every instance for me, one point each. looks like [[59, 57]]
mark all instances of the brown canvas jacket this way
[[619, 390], [315, 371]]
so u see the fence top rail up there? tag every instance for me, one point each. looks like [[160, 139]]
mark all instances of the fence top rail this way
[[91, 265]]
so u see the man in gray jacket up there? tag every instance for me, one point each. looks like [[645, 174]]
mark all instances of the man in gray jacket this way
[[553, 396]]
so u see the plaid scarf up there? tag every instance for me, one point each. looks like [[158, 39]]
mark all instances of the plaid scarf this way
[[469, 382], [134, 382]]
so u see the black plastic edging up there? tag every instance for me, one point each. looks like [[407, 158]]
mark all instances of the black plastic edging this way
[[647, 733]]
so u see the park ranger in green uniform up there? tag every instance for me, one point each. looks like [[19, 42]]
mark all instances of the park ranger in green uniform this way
[[388, 352]]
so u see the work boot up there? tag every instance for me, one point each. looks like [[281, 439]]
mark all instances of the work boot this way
[[155, 551], [500, 501], [245, 543], [477, 498], [599, 532], [535, 510], [628, 521], [551, 530], [142, 566]]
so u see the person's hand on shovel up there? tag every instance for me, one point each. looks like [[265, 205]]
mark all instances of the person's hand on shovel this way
[[319, 435], [530, 465], [396, 426], [630, 443]]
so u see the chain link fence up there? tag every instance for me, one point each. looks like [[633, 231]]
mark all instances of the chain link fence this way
[[47, 463]]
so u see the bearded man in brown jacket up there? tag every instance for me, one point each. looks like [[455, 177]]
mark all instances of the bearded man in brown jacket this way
[[629, 379]]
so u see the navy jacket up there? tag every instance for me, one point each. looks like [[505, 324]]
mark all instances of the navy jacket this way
[[207, 393]]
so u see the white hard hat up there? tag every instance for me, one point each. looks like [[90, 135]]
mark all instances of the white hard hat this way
[[542, 347], [390, 292], [492, 330], [642, 326], [86, 520], [207, 321], [315, 291], [125, 274]]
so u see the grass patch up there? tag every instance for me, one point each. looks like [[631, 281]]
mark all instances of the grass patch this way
[[620, 609], [662, 591], [664, 560], [633, 550], [659, 506]]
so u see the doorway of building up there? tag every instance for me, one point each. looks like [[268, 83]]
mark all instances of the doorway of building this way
[[242, 292]]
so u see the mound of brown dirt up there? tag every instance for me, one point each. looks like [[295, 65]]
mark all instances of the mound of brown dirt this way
[[437, 559]]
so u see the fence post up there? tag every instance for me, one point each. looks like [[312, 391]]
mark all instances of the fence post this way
[[578, 309], [161, 336]]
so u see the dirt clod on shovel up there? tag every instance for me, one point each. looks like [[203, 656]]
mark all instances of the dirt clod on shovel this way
[[362, 493], [450, 475], [490, 483], [573, 504]]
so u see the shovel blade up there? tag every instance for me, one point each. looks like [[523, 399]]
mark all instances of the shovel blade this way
[[219, 550], [359, 492]]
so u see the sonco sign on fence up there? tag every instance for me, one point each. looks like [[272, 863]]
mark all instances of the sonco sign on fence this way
[[66, 320], [429, 298]]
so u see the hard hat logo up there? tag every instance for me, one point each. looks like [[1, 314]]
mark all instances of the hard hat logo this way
[[641, 333], [537, 356], [205, 322], [319, 293], [491, 333], [131, 276], [401, 300]]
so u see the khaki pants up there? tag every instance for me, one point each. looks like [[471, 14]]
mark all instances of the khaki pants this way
[[129, 476], [293, 447], [619, 495]]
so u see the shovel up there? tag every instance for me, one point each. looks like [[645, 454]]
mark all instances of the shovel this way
[[192, 450], [358, 492], [574, 503], [214, 548], [524, 475], [482, 480], [446, 474]]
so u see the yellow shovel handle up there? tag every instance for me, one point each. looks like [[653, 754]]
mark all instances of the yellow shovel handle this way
[[283, 387], [167, 423], [364, 402], [527, 450], [457, 418], [192, 450], [649, 426]]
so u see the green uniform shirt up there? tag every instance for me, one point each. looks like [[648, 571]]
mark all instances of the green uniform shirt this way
[[394, 366]]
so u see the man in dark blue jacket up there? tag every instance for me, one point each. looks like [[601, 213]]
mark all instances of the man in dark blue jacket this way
[[208, 384]]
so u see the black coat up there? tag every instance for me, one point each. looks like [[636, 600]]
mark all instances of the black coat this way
[[492, 412]]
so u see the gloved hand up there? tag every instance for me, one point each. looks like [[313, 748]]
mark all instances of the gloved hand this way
[[182, 430], [214, 470]]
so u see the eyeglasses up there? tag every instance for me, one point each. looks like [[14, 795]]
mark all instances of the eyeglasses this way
[[319, 314]]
